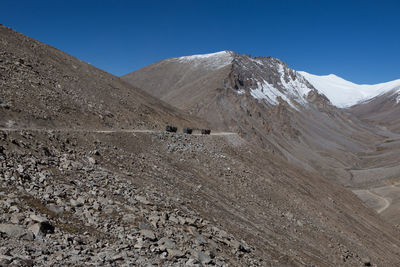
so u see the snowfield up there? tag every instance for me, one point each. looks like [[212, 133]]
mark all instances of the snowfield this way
[[343, 93]]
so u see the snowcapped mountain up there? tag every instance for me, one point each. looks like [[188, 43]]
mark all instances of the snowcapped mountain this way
[[268, 80], [344, 94], [271, 80], [261, 98]]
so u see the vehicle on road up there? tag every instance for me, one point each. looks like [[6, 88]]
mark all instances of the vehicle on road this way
[[205, 131], [187, 130], [171, 129]]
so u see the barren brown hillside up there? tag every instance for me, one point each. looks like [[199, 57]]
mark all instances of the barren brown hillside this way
[[236, 93], [42, 86], [275, 108], [382, 110], [81, 185]]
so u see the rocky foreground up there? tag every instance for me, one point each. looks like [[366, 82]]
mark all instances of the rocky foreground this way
[[60, 207], [83, 198]]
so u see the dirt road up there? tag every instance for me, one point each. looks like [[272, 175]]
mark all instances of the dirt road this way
[[385, 201], [373, 200], [106, 131]]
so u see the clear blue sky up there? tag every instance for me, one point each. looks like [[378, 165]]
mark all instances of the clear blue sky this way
[[357, 40]]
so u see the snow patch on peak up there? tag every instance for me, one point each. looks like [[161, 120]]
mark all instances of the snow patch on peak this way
[[297, 88], [333, 76], [257, 61], [343, 93], [281, 82], [241, 92], [397, 95], [266, 91], [203, 56], [211, 61]]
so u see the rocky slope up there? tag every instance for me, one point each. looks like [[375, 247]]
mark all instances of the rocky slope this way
[[41, 86], [168, 199], [383, 110], [71, 195]]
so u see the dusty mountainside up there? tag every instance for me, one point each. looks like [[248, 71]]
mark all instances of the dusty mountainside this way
[[382, 110], [380, 168], [267, 103], [276, 108], [73, 195], [42, 86]]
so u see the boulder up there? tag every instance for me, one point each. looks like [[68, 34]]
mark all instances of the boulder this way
[[148, 234], [15, 231], [166, 243], [142, 200], [175, 253], [202, 257], [38, 218], [92, 160], [41, 228], [12, 230], [366, 261]]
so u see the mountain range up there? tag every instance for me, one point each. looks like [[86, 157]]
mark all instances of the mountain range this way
[[293, 114], [291, 175]]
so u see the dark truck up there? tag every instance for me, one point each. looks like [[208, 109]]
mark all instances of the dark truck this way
[[174, 129], [171, 129], [187, 130], [205, 131]]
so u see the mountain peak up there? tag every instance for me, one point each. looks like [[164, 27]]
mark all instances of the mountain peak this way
[[267, 79], [209, 55], [343, 93], [332, 75], [270, 80], [211, 61]]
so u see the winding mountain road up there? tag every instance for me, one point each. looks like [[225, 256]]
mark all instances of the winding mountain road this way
[[373, 200], [385, 200]]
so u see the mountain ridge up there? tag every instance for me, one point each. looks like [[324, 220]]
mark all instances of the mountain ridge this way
[[348, 93], [77, 189]]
